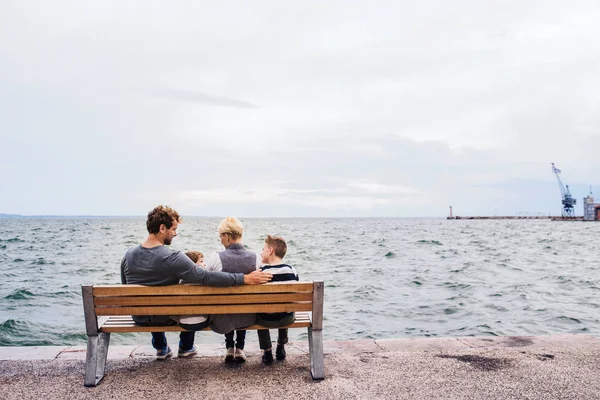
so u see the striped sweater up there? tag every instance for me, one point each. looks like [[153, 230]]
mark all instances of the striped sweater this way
[[281, 273]]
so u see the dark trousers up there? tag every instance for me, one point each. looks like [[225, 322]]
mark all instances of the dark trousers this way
[[264, 336], [240, 339]]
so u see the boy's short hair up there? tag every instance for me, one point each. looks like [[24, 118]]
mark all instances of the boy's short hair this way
[[194, 255], [161, 215], [231, 226], [278, 245]]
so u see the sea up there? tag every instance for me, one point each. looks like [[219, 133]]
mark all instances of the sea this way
[[384, 278]]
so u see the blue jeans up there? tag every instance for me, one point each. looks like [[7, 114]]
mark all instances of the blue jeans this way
[[159, 339], [186, 340]]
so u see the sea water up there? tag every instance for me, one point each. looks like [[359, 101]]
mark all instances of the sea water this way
[[384, 278]]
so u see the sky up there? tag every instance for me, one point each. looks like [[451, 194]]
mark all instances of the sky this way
[[298, 108]]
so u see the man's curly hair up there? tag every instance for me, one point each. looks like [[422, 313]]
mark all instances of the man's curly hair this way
[[161, 215]]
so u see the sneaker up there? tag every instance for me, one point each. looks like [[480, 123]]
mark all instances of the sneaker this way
[[161, 354], [267, 357], [229, 355], [240, 356], [280, 352], [187, 353]]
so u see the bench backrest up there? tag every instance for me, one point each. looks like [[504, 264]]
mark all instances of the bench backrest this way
[[189, 299]]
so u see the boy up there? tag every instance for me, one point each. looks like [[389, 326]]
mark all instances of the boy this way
[[272, 254]]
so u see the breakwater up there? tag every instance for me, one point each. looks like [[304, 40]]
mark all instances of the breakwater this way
[[536, 217]]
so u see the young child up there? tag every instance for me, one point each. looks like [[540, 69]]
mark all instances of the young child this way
[[273, 252], [198, 258]]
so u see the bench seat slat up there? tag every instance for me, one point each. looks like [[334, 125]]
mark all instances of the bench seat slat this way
[[122, 320], [202, 300], [122, 324], [116, 319], [199, 310], [129, 322], [188, 289]]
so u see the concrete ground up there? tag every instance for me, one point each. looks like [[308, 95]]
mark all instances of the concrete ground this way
[[544, 367]]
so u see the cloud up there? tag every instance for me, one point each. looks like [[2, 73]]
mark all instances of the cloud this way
[[328, 109], [198, 97], [349, 196], [378, 188]]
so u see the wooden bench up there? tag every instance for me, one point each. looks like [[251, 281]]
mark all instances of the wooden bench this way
[[108, 309]]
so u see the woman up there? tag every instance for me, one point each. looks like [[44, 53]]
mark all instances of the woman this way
[[235, 258]]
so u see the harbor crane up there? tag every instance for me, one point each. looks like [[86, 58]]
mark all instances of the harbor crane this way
[[567, 200]]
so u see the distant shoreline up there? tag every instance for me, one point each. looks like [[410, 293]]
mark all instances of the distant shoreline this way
[[18, 216]]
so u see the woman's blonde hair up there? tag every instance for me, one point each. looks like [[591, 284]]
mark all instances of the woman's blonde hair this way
[[231, 226]]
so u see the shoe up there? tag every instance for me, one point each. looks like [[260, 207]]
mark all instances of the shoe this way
[[267, 357], [240, 356], [229, 355], [161, 354], [187, 353], [280, 352]]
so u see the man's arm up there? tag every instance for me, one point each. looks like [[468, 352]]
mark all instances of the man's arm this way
[[257, 277], [192, 273], [123, 278]]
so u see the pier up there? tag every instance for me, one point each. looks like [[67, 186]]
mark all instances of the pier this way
[[550, 217], [491, 367]]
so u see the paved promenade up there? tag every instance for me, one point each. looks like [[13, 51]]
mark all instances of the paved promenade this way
[[544, 367]]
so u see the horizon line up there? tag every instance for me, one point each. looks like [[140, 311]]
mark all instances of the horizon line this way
[[3, 215]]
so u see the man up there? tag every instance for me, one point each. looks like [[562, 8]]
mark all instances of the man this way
[[152, 264]]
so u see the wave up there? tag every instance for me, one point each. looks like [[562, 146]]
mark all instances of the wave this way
[[568, 319], [435, 242], [13, 240], [15, 332], [63, 294], [455, 285], [20, 294], [42, 261]]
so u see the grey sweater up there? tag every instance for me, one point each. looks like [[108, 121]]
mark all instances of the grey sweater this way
[[161, 266]]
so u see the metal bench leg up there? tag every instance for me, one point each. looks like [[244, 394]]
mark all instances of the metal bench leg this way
[[103, 342], [315, 346], [95, 360], [91, 361]]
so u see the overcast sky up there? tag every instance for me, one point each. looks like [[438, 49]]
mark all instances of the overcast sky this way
[[298, 108]]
